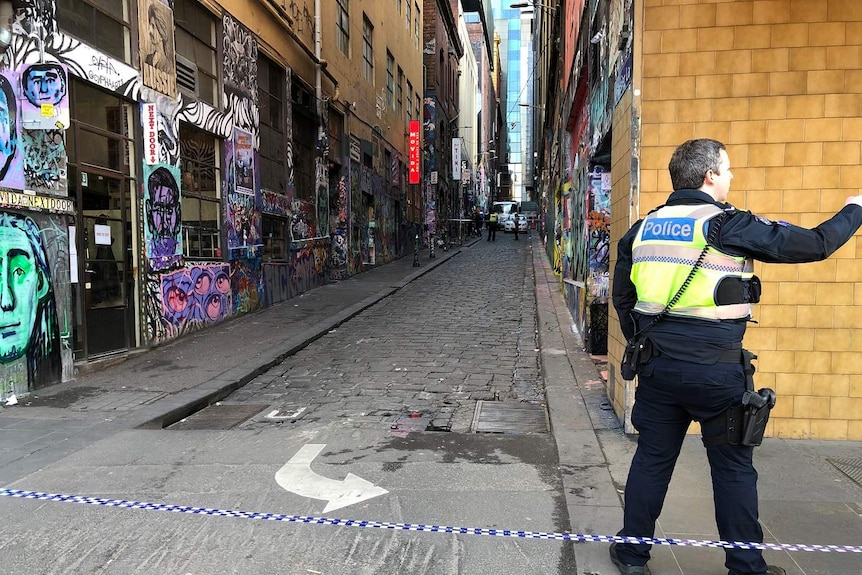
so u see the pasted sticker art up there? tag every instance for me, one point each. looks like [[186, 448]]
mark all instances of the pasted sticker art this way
[[45, 102]]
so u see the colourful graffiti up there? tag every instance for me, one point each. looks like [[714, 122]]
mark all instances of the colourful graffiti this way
[[196, 296], [29, 323], [45, 161], [11, 171], [306, 271], [274, 203], [247, 284]]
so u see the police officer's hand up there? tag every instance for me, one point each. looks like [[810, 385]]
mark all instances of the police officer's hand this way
[[854, 200]]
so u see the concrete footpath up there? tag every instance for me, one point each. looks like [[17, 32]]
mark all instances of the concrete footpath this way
[[805, 498]]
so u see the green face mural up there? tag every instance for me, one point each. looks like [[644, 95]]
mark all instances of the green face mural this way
[[23, 284]]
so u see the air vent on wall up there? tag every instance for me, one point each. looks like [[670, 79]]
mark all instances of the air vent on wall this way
[[187, 75]]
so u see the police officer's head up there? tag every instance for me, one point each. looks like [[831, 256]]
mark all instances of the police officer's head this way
[[697, 163]]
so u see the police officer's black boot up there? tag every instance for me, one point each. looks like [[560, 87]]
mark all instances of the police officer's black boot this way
[[625, 568]]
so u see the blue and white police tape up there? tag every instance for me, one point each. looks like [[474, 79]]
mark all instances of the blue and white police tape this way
[[577, 537]]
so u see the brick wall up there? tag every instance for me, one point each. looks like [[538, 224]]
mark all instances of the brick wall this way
[[780, 83]]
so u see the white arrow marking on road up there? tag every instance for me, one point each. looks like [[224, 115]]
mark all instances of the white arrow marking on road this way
[[297, 477], [274, 414]]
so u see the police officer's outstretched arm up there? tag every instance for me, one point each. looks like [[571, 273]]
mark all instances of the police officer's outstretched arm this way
[[782, 242]]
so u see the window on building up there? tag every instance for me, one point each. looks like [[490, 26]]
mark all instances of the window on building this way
[[201, 210], [275, 238], [342, 25], [390, 80], [408, 16], [368, 49], [304, 136], [103, 24], [416, 25], [195, 32], [271, 84], [408, 110], [399, 92], [398, 5]]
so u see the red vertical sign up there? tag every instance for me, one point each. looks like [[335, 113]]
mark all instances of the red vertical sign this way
[[414, 152]]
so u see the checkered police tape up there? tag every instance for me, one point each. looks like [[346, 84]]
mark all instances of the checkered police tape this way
[[577, 537]]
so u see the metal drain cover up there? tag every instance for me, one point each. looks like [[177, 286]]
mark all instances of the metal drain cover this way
[[852, 468], [219, 416], [498, 417]]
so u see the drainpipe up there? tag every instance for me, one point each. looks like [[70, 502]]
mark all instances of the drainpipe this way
[[318, 93]]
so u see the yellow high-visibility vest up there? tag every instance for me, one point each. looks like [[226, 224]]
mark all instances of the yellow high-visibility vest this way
[[666, 247]]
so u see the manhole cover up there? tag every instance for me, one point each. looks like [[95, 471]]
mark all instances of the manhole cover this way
[[852, 468], [219, 416], [498, 417]]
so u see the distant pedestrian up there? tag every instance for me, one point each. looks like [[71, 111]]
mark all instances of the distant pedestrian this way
[[492, 226], [515, 227], [477, 222]]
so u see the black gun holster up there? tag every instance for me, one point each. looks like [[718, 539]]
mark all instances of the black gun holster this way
[[638, 353], [744, 424]]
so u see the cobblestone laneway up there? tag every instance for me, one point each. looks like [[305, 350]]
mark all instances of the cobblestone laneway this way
[[464, 332]]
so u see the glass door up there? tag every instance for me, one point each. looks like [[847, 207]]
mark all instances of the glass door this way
[[100, 149]]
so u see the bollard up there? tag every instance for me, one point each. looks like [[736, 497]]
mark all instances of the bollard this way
[[416, 251]]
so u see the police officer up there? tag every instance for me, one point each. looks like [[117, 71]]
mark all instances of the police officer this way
[[492, 226], [694, 371]]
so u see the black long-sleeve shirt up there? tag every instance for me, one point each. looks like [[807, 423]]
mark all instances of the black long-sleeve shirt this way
[[741, 234]]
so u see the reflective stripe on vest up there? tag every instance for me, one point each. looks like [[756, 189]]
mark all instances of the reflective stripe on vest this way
[[665, 249]]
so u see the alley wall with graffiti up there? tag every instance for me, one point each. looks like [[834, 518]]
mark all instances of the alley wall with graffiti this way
[[194, 250]]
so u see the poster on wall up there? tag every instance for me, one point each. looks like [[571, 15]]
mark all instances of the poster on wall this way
[[162, 214], [11, 152], [45, 96], [158, 58], [243, 158]]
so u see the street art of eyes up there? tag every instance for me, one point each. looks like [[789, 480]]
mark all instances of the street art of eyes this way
[[200, 294]]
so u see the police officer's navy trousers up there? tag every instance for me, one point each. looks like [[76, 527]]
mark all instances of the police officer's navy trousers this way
[[670, 394]]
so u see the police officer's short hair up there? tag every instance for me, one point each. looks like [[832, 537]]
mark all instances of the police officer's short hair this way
[[692, 160]]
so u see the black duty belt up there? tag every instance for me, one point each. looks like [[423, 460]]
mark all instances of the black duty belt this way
[[727, 356], [730, 356]]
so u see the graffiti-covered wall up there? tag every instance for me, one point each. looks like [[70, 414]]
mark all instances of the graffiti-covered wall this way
[[35, 300]]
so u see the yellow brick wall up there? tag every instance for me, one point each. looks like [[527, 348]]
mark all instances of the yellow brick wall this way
[[621, 208], [780, 83]]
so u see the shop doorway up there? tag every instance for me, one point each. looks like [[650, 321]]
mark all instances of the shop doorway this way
[[100, 146]]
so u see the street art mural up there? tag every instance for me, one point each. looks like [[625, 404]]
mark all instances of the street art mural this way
[[11, 170], [275, 203], [195, 296], [305, 271], [242, 215], [240, 59], [34, 302], [339, 248], [321, 167], [246, 284], [45, 160], [163, 215], [156, 33], [243, 222], [599, 220], [45, 105]]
